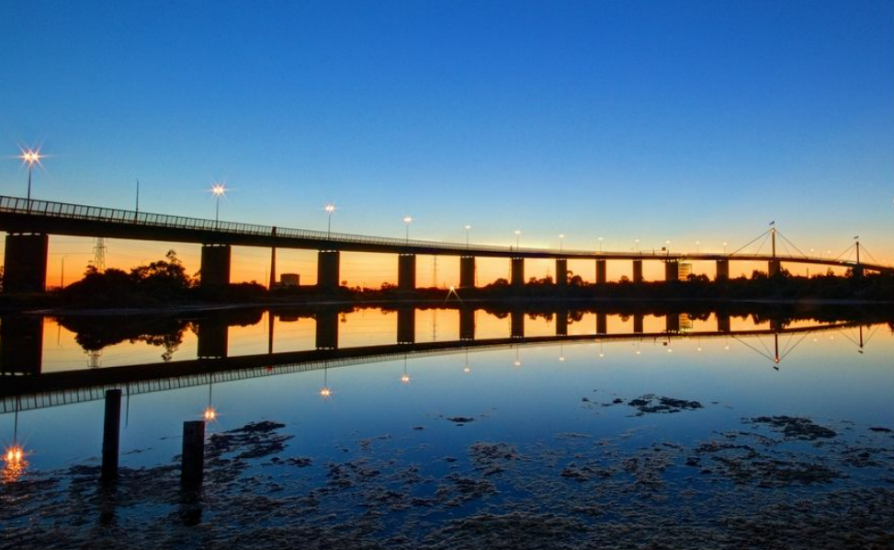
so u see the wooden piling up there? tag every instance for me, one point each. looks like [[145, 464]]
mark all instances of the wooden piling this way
[[111, 435], [193, 456]]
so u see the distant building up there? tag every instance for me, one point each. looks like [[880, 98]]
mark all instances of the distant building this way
[[685, 271], [289, 280]]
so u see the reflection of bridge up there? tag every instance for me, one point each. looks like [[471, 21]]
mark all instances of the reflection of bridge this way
[[60, 388], [30, 223]]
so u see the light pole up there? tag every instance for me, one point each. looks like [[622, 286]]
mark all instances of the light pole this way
[[218, 190], [561, 241], [330, 208], [667, 246], [467, 228], [600, 244], [32, 157], [408, 220], [698, 247], [517, 234], [636, 245], [724, 248]]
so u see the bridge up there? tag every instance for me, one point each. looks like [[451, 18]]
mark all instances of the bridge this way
[[29, 223], [25, 390]]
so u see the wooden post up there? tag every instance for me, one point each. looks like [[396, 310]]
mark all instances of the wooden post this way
[[193, 456], [111, 435]]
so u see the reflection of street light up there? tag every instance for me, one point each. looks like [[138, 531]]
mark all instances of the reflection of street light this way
[[325, 392], [210, 413], [218, 190], [14, 457], [405, 378], [517, 362], [408, 220], [329, 208]]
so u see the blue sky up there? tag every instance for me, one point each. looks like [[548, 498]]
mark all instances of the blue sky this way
[[652, 120]]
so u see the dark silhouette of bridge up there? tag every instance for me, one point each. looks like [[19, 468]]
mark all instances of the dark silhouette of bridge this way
[[30, 222], [25, 387]]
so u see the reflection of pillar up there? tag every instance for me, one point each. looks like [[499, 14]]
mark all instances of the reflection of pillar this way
[[637, 271], [21, 344], [601, 272], [406, 272], [723, 324], [562, 322], [327, 329], [111, 435], [272, 265], [722, 270], [773, 267], [671, 271], [518, 271], [25, 263], [637, 323], [215, 265], [406, 325], [562, 272], [672, 322], [213, 338], [467, 324], [776, 325], [517, 324], [601, 323], [328, 270], [467, 272]]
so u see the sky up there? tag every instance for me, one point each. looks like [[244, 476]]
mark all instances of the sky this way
[[677, 121]]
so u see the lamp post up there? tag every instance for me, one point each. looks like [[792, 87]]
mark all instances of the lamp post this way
[[218, 190], [408, 220], [600, 244], [561, 241], [329, 208], [636, 245], [467, 228], [698, 247], [517, 235]]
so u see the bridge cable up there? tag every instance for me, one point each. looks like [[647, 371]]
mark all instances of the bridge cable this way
[[761, 247], [846, 251], [798, 343], [767, 232], [784, 238], [849, 337], [871, 257], [759, 352]]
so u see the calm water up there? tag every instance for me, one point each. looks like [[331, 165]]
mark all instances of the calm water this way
[[697, 427]]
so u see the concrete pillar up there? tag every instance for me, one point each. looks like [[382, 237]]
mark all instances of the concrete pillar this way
[[517, 324], [672, 322], [601, 272], [25, 263], [518, 272], [213, 336], [562, 322], [328, 270], [111, 436], [722, 270], [215, 265], [637, 271], [773, 267], [467, 324], [671, 271], [192, 468], [601, 323], [406, 272], [467, 272], [21, 344], [562, 272], [327, 329], [637, 323], [723, 324], [406, 325]]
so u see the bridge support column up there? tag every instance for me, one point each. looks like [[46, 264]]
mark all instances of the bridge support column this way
[[467, 272], [601, 323], [406, 272], [21, 345], [672, 323], [722, 270], [671, 271], [25, 267], [518, 272], [637, 323], [517, 324], [774, 267], [328, 270], [406, 325], [562, 322], [213, 336], [327, 329], [215, 265], [723, 324], [467, 324], [637, 271], [601, 272], [562, 272]]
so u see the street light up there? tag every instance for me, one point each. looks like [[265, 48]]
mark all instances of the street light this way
[[218, 190], [329, 208], [561, 240], [517, 233], [636, 245], [724, 248], [31, 156], [698, 247], [408, 220], [600, 244], [467, 228]]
